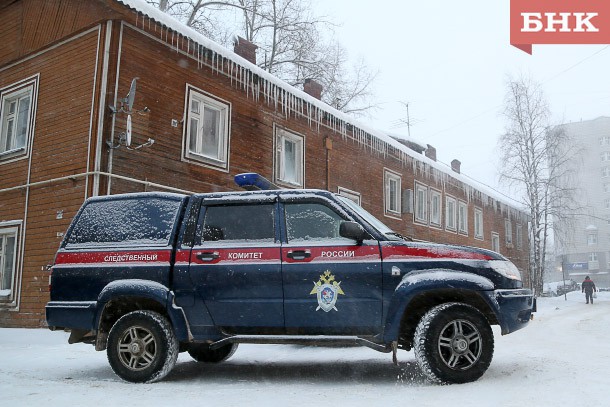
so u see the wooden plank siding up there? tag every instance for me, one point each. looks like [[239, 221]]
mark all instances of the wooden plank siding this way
[[59, 45]]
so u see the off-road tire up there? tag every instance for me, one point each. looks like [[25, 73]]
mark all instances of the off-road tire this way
[[201, 352], [142, 347], [453, 343]]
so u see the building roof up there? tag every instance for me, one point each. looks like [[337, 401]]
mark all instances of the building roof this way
[[258, 83]]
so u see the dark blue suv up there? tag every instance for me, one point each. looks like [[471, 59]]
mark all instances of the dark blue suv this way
[[146, 276]]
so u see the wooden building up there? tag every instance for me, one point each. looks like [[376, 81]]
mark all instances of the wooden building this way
[[199, 114]]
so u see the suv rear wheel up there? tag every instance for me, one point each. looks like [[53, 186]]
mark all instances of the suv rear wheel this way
[[142, 347], [453, 344]]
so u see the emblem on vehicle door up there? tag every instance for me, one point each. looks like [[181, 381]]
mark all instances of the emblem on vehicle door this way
[[327, 290]]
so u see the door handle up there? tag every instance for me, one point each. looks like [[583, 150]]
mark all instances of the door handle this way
[[207, 256], [298, 254]]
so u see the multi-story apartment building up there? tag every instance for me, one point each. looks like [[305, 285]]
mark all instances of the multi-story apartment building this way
[[76, 123], [584, 246]]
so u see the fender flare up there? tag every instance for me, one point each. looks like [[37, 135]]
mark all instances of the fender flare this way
[[150, 290], [414, 284]]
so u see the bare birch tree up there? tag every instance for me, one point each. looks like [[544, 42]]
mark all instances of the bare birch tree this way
[[292, 44], [538, 160]]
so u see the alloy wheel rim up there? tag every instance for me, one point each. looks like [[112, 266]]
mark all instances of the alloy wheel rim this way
[[137, 348], [460, 344]]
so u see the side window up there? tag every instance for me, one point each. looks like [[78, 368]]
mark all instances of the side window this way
[[435, 208], [8, 262], [351, 195], [16, 118], [478, 223], [495, 242], [450, 213], [463, 217], [311, 221], [244, 223], [290, 158], [508, 229], [125, 222], [207, 130], [392, 190], [421, 203]]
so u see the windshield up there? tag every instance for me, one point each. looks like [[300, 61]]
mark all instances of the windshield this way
[[370, 219]]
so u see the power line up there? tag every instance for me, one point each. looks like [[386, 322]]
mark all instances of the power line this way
[[576, 64]]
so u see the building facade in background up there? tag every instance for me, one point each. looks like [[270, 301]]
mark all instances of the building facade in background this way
[[112, 96], [584, 246]]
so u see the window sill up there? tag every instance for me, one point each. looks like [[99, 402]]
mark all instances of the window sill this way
[[207, 162]]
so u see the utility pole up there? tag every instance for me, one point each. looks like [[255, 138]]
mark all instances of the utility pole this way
[[563, 276]]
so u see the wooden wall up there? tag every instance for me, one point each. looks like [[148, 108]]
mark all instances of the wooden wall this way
[[64, 63]]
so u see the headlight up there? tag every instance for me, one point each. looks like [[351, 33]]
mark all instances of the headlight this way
[[506, 268]]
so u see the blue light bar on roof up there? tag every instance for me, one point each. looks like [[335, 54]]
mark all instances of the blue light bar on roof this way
[[253, 182]]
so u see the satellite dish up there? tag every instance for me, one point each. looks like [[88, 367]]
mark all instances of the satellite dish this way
[[128, 131], [131, 96]]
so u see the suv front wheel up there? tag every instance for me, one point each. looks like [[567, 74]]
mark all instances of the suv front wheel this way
[[142, 347], [453, 344]]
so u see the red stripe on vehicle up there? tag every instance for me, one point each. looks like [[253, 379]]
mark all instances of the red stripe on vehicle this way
[[140, 256], [402, 252], [243, 255], [335, 254]]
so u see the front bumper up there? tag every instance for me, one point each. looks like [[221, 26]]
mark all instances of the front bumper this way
[[515, 308]]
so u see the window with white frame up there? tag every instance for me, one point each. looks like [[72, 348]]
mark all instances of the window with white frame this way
[[289, 158], [450, 213], [495, 242], [207, 129], [16, 118], [392, 189], [607, 203], [606, 172], [351, 195], [478, 223], [8, 262], [591, 238], [519, 235], [435, 208], [421, 203], [604, 141], [593, 256], [605, 156], [508, 231], [607, 187], [463, 217]]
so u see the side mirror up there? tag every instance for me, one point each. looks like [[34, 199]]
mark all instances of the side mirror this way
[[352, 230]]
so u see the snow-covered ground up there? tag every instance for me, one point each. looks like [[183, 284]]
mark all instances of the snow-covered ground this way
[[561, 359]]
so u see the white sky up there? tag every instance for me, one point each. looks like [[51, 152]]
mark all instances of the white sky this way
[[450, 61]]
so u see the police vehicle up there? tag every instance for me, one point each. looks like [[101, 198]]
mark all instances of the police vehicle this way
[[146, 276]]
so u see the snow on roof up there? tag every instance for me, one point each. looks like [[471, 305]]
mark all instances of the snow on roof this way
[[401, 136], [276, 91]]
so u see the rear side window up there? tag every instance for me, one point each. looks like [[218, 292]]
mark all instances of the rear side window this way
[[246, 223], [125, 222]]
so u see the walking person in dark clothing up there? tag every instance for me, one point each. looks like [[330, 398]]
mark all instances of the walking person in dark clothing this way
[[588, 287]]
